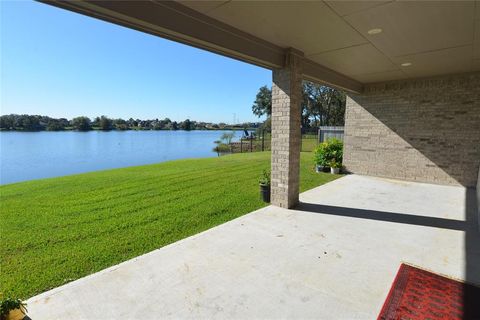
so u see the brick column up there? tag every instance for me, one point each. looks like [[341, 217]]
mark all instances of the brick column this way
[[286, 134]]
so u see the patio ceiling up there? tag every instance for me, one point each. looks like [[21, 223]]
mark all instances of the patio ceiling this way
[[432, 37], [435, 37]]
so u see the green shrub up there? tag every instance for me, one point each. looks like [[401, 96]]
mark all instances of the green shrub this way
[[334, 150], [221, 148], [319, 154], [334, 164], [330, 151]]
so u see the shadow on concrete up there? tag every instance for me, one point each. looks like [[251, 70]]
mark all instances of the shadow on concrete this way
[[385, 216], [469, 227]]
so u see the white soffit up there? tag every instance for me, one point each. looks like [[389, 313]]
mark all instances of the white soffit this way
[[356, 60], [436, 37], [451, 60], [290, 24], [344, 8], [411, 27]]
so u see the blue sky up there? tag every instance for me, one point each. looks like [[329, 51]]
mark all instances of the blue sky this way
[[62, 64]]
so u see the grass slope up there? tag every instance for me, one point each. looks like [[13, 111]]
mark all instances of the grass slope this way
[[60, 229]]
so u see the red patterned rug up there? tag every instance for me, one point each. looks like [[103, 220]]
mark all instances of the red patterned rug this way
[[419, 294]]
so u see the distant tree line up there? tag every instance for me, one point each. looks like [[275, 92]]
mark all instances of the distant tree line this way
[[321, 106], [24, 122]]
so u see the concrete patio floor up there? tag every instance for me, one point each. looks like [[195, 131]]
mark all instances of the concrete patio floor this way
[[334, 257]]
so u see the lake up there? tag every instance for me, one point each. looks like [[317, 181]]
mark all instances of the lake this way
[[35, 155]]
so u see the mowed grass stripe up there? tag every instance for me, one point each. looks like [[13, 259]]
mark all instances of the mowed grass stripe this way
[[74, 216], [177, 191], [134, 190], [108, 189], [57, 230], [84, 228]]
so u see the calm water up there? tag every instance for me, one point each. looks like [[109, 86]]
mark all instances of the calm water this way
[[35, 155]]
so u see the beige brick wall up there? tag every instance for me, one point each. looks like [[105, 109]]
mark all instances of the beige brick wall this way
[[286, 135], [421, 130]]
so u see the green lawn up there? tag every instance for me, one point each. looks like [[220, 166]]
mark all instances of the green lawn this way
[[309, 144], [56, 230]]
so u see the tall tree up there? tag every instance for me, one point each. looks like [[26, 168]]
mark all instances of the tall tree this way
[[263, 102], [186, 125], [120, 124], [105, 123], [81, 123], [321, 105], [55, 125], [7, 122], [329, 104]]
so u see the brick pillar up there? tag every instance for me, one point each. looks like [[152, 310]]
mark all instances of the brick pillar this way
[[286, 134]]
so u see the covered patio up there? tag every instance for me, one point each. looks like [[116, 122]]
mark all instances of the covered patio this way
[[334, 257], [412, 140]]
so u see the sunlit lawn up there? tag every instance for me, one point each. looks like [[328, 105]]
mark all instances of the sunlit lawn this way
[[309, 143], [60, 229]]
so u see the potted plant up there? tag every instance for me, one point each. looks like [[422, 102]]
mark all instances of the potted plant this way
[[12, 309], [265, 186], [334, 154], [335, 167], [320, 157]]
